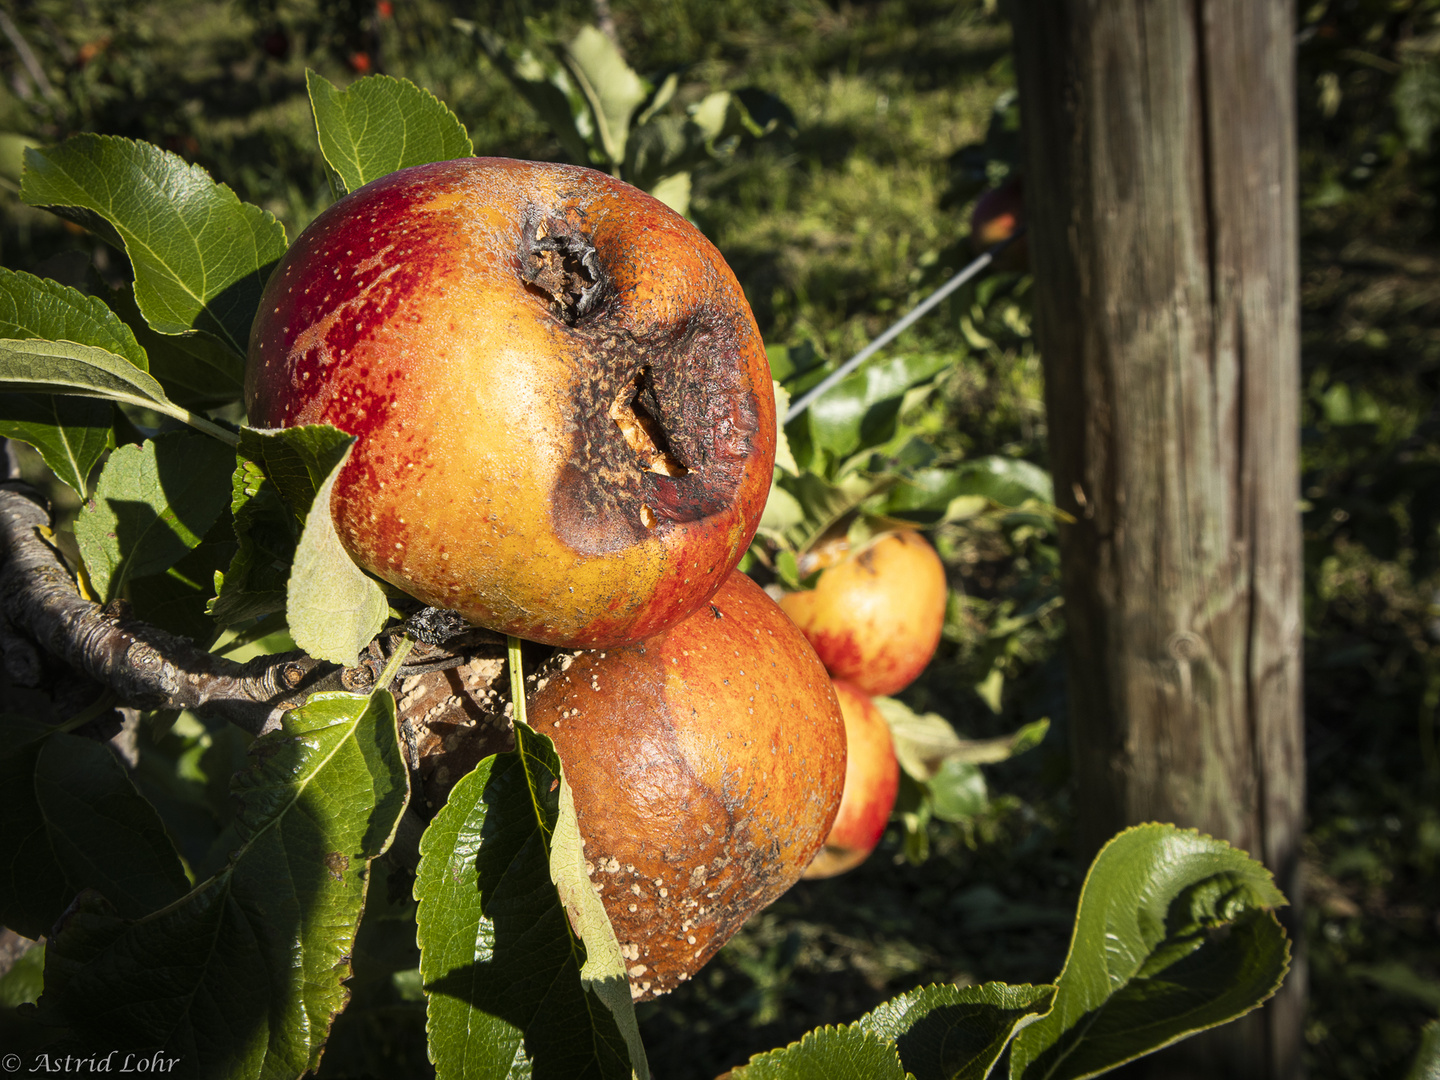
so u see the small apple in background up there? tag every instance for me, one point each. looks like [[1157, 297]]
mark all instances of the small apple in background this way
[[565, 420], [875, 618], [998, 214], [707, 764], [872, 778]]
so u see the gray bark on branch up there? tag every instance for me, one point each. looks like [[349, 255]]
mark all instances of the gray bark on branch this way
[[41, 608]]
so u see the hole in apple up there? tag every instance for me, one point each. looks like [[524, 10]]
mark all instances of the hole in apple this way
[[641, 429], [647, 517], [562, 264]]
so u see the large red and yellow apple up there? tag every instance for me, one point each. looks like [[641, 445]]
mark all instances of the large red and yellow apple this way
[[875, 618], [872, 779], [707, 764], [563, 408]]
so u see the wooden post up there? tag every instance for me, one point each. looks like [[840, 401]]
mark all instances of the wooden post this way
[[1162, 202]]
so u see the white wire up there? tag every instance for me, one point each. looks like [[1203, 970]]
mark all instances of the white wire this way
[[900, 327]]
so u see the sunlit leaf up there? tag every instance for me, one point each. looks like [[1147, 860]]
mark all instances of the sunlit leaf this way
[[378, 125], [502, 965], [71, 433], [332, 607], [1427, 1062], [860, 410], [946, 1032], [200, 255], [608, 83], [153, 503], [830, 1053], [1175, 933], [276, 478]]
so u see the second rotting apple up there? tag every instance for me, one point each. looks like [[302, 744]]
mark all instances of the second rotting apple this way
[[564, 414], [706, 763], [872, 779], [875, 618]]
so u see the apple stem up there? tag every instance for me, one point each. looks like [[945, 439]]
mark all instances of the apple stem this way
[[517, 677], [199, 423], [397, 658]]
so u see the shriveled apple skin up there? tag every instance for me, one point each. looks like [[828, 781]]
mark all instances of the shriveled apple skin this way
[[875, 619], [564, 412], [872, 779], [707, 764]]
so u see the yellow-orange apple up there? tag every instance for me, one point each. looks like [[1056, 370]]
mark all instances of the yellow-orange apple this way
[[872, 778], [707, 764], [564, 413], [875, 618]]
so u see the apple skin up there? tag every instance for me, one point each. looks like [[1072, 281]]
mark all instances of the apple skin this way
[[564, 414], [872, 779], [707, 764], [875, 618]]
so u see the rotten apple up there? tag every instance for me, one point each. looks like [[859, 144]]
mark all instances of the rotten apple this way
[[707, 764], [564, 417], [875, 618], [872, 779]]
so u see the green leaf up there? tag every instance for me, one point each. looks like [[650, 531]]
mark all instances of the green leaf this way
[[1399, 978], [266, 533], [55, 340], [674, 191], [848, 1052], [924, 742], [509, 986], [199, 254], [243, 976], [1175, 934], [178, 599], [276, 477], [380, 124], [33, 307], [196, 371], [153, 504], [22, 984], [782, 513], [37, 366], [823, 504], [948, 1032], [784, 459], [73, 820], [609, 84], [298, 460], [545, 85], [957, 791], [860, 410], [1427, 1061], [963, 490], [334, 608], [71, 433]]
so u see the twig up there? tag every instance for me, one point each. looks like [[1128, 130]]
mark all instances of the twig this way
[[27, 57], [146, 667]]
